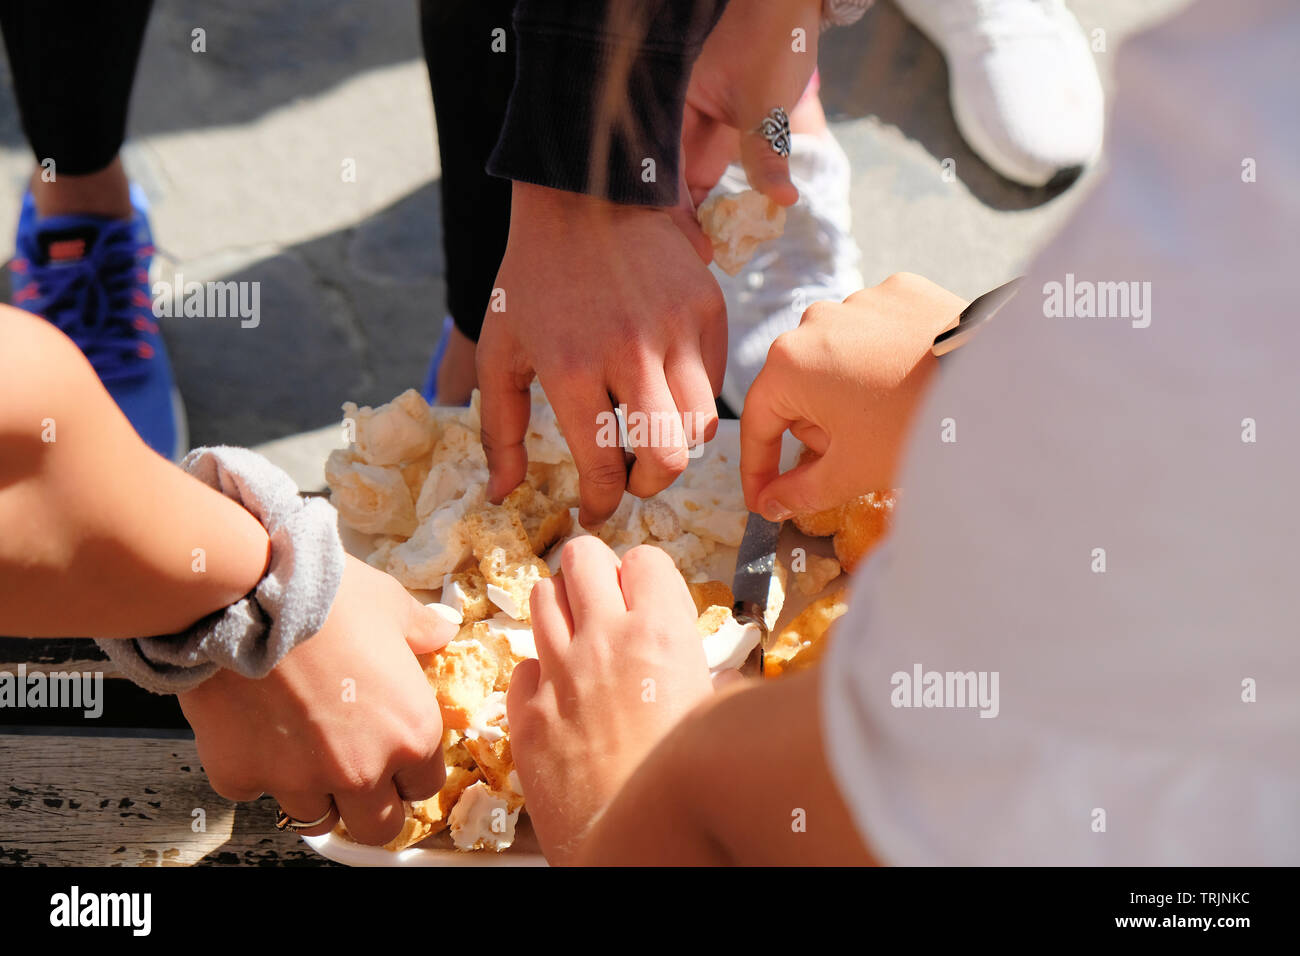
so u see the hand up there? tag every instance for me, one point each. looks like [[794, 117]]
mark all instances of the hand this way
[[347, 714], [601, 302], [846, 382], [620, 663], [749, 65]]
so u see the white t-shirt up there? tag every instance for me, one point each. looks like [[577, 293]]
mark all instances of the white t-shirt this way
[[1123, 695]]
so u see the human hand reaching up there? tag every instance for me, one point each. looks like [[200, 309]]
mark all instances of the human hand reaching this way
[[845, 382], [346, 716], [619, 665], [604, 304]]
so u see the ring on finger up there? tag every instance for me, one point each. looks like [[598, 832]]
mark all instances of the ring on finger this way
[[775, 128]]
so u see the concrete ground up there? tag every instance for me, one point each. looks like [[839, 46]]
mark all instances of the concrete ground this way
[[240, 150]]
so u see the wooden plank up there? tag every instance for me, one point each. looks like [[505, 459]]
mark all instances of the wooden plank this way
[[48, 650], [114, 801]]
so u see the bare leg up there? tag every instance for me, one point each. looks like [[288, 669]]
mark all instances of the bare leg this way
[[102, 193], [457, 377]]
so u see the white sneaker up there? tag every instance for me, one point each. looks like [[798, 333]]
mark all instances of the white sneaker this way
[[1024, 86], [815, 258]]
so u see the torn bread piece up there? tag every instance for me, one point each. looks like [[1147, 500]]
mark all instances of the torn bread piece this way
[[544, 521], [804, 640], [484, 819], [863, 523], [819, 524], [462, 673], [427, 817], [505, 558], [401, 431], [727, 642], [817, 573], [439, 546], [709, 593], [737, 224], [372, 499], [466, 592], [488, 742]]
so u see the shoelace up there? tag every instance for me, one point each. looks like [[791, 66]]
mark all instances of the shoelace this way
[[96, 301]]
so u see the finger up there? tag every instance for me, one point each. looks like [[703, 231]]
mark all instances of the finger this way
[[591, 582], [808, 487], [309, 806], [373, 817], [422, 780], [524, 680], [548, 609], [503, 416], [655, 433], [428, 627], [684, 215], [236, 793], [713, 340], [762, 426], [651, 583], [586, 419], [767, 170], [693, 394]]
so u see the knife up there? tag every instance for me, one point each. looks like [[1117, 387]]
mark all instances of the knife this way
[[981, 309], [752, 584]]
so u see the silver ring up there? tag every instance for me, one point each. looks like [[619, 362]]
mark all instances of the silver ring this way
[[285, 822], [775, 128]]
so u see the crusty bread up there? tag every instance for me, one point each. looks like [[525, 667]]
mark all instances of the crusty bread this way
[[708, 593], [804, 640], [462, 674]]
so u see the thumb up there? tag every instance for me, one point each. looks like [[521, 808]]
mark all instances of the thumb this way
[[429, 627], [767, 170], [808, 487]]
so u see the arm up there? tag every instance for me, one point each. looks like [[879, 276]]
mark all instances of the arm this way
[[627, 755], [99, 531], [743, 780]]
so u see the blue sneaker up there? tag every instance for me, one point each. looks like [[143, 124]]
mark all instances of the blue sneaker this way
[[430, 389], [90, 276]]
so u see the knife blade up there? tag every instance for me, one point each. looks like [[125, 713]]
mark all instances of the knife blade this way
[[982, 308], [752, 584]]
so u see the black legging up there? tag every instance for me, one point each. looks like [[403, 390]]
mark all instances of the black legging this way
[[73, 65], [471, 86]]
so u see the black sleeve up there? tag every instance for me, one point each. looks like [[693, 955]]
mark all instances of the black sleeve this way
[[600, 86]]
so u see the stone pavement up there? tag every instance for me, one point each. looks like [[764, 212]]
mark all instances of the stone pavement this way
[[241, 148]]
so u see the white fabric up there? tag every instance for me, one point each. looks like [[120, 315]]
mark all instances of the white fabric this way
[[1024, 85], [1119, 691], [814, 259]]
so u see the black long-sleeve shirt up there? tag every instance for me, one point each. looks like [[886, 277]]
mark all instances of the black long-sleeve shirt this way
[[600, 89]]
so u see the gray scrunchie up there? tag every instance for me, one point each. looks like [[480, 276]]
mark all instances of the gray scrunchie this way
[[289, 604]]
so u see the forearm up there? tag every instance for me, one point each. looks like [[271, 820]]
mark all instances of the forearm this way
[[743, 780], [102, 537]]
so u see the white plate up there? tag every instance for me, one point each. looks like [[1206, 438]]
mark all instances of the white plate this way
[[438, 850]]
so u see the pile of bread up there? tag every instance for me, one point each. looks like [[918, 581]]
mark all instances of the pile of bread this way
[[414, 479]]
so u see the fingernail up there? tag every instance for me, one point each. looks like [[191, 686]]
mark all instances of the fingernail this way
[[775, 511]]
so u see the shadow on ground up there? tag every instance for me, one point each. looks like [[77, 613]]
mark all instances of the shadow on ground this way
[[352, 315], [884, 67], [261, 54]]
